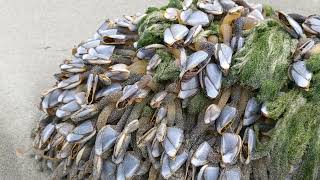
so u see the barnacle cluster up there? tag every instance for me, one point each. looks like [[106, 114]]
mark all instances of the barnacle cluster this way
[[206, 89]]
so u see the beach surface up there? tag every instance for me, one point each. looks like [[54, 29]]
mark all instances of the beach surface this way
[[35, 37]]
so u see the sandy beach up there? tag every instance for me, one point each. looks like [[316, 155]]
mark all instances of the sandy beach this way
[[35, 37]]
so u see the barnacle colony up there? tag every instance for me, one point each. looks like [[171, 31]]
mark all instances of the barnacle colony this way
[[207, 89]]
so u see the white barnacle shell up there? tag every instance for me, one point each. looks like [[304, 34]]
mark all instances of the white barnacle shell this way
[[233, 173], [118, 72], [194, 60], [230, 148], [312, 24], [248, 145], [212, 80], [173, 141], [292, 26], [199, 157], [194, 31], [223, 53], [208, 172], [228, 113], [51, 99], [67, 109], [71, 82], [171, 14], [106, 138], [170, 166], [228, 5], [212, 114], [189, 88], [212, 7], [174, 33], [252, 112], [81, 131], [186, 4], [194, 18], [300, 74], [130, 165]]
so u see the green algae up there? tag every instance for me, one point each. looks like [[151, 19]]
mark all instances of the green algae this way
[[313, 64], [310, 167], [174, 4], [147, 111], [152, 27], [154, 17], [263, 62], [151, 9], [293, 136], [201, 35], [214, 27], [197, 103], [166, 70], [152, 35], [314, 92], [281, 104], [151, 31], [268, 10], [294, 148]]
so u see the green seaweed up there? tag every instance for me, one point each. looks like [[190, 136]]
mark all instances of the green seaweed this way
[[292, 136], [310, 166], [173, 4], [201, 35], [152, 27], [279, 106], [154, 17], [263, 65], [197, 103], [147, 111], [166, 70], [214, 27], [151, 9], [152, 35], [313, 63], [263, 62], [314, 93], [268, 10]]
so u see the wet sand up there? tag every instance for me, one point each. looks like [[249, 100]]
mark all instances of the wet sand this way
[[35, 37]]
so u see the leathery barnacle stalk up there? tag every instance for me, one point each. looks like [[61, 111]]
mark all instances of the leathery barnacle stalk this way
[[205, 89]]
